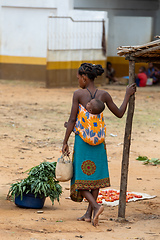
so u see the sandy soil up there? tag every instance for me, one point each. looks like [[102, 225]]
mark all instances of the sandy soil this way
[[31, 131]]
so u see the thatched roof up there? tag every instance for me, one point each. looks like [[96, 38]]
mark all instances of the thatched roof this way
[[149, 52]]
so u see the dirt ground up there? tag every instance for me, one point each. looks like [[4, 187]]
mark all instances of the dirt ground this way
[[31, 131]]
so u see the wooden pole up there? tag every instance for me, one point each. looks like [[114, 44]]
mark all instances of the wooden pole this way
[[126, 146]]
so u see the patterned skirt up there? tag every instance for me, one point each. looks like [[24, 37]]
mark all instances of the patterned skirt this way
[[90, 168]]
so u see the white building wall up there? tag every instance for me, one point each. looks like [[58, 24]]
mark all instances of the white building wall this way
[[137, 18], [26, 35], [137, 31], [0, 27], [64, 6], [131, 22], [157, 22], [24, 26], [24, 32]]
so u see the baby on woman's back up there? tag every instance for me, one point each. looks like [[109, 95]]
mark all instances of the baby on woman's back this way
[[95, 106]]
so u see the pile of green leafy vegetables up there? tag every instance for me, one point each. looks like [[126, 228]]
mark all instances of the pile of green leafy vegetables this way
[[146, 160], [41, 181]]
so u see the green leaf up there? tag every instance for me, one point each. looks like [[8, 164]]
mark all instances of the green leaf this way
[[146, 162], [41, 179], [155, 160], [142, 158]]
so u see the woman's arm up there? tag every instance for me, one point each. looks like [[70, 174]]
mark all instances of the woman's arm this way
[[119, 112], [71, 122]]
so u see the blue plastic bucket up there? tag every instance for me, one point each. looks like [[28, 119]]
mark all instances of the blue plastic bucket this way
[[30, 201]]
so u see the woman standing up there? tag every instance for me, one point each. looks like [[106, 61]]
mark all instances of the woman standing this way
[[89, 158]]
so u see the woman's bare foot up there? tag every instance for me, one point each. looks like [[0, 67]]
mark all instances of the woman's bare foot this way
[[97, 212], [85, 218]]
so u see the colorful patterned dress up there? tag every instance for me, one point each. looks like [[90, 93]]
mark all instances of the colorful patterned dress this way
[[90, 166]]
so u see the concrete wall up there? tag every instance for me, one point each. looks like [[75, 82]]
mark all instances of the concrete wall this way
[[26, 41], [130, 34], [24, 38], [131, 22], [156, 26], [0, 37]]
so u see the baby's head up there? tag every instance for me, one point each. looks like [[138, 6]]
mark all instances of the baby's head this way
[[95, 106]]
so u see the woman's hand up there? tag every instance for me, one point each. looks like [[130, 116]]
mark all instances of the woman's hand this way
[[65, 149], [130, 90]]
